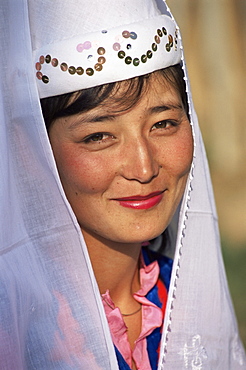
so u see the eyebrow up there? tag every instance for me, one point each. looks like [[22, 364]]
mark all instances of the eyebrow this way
[[90, 119], [163, 108], [111, 117]]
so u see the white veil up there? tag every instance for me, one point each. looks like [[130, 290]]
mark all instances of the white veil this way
[[51, 314]]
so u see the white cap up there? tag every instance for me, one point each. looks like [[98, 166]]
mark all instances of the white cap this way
[[99, 43]]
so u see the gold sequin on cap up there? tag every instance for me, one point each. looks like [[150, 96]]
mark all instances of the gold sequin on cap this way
[[48, 58], [101, 60], [98, 67], [79, 71], [72, 70], [128, 60], [54, 62], [45, 79], [101, 51], [64, 67], [89, 71], [121, 54], [169, 45]]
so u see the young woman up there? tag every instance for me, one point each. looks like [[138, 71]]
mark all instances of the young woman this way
[[110, 256], [124, 164]]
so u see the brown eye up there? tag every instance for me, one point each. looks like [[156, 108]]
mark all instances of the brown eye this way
[[96, 137], [161, 124], [165, 124]]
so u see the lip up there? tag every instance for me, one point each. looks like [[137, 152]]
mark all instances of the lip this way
[[141, 202]]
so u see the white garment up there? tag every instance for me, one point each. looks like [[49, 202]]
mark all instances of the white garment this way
[[48, 292]]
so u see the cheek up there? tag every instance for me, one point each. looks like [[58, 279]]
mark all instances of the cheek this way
[[179, 154], [83, 173], [184, 156]]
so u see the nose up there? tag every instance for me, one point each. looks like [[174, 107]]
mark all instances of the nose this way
[[138, 162]]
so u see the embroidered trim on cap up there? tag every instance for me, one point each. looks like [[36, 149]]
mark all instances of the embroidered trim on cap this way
[[107, 56], [70, 69], [101, 51]]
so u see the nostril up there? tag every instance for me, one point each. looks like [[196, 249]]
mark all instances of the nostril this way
[[142, 174]]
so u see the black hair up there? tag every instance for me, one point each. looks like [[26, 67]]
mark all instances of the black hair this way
[[84, 100]]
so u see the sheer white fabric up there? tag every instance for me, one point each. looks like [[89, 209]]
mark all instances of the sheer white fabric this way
[[51, 314], [46, 279]]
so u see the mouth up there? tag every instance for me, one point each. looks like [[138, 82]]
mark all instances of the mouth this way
[[141, 202]]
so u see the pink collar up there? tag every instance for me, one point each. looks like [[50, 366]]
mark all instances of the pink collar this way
[[152, 317]]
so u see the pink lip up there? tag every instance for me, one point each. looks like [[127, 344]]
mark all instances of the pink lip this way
[[141, 202]]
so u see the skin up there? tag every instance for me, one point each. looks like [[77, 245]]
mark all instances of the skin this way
[[103, 156]]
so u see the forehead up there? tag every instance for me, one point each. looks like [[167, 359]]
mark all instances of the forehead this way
[[132, 93], [157, 98]]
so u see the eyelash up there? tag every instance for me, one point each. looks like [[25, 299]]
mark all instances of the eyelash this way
[[98, 136], [172, 123]]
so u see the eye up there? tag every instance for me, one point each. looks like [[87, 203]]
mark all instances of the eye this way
[[98, 137], [165, 124]]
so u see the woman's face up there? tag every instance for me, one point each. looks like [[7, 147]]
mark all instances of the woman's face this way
[[124, 173]]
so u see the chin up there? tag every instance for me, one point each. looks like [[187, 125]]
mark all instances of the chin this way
[[141, 237]]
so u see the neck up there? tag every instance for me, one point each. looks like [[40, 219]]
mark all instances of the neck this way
[[116, 269]]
